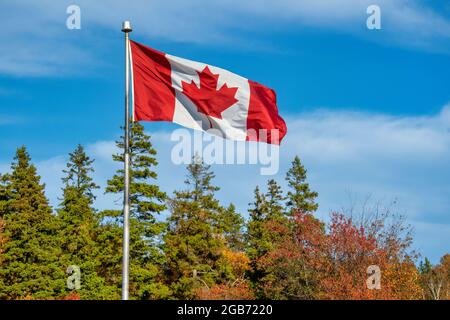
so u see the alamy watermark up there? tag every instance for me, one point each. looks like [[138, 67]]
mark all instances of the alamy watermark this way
[[74, 279], [214, 149], [373, 22], [374, 279], [73, 21]]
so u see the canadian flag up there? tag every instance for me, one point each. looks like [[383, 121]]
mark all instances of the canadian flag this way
[[202, 97]]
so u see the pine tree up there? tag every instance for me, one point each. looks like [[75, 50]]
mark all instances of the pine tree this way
[[199, 231], [30, 258], [300, 198], [266, 208], [146, 201], [3, 199], [3, 193], [2, 237], [2, 245], [268, 216], [425, 266], [258, 241], [79, 226], [266, 213], [274, 201], [230, 223], [255, 228]]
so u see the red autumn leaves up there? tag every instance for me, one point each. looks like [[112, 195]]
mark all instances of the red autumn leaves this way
[[310, 261]]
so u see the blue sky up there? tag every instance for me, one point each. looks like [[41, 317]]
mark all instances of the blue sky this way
[[367, 110]]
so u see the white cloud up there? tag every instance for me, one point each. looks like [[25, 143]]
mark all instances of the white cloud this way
[[38, 43], [405, 157], [345, 136], [201, 21]]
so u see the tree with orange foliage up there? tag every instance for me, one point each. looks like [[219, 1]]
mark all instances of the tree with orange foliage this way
[[237, 291], [292, 266], [351, 250], [348, 251], [233, 266], [311, 263], [278, 238], [72, 296]]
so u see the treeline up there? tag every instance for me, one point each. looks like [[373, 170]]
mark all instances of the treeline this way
[[204, 249]]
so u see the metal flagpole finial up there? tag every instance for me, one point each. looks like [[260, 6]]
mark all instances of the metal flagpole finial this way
[[126, 26]]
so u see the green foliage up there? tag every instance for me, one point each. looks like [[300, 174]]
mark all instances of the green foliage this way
[[274, 201], [30, 265], [266, 208], [267, 211], [257, 240], [230, 223], [79, 227], [199, 230], [300, 198], [146, 201], [425, 266]]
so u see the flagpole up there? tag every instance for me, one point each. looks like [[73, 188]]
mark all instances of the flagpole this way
[[126, 28]]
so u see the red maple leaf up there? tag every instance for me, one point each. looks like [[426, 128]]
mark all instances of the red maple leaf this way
[[207, 98]]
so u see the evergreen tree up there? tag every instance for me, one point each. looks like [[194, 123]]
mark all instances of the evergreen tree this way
[[274, 201], [2, 237], [256, 235], [258, 240], [425, 266], [266, 208], [3, 199], [79, 226], [2, 245], [266, 213], [300, 198], [199, 231], [3, 192], [146, 201], [231, 223], [30, 259]]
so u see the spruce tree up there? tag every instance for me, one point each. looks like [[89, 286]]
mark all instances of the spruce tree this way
[[30, 259], [300, 198], [3, 199], [199, 231], [269, 214], [3, 192], [79, 226], [258, 241], [256, 234], [146, 202], [266, 212], [425, 266], [266, 209], [2, 245], [274, 201], [230, 223]]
